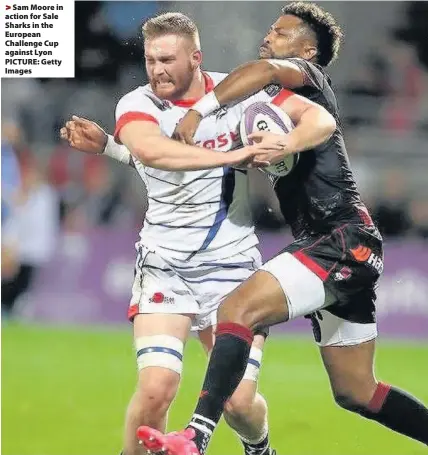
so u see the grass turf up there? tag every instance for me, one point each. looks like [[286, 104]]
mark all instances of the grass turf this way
[[65, 390]]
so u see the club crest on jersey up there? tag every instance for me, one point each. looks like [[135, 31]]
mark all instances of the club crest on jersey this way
[[343, 274], [326, 206], [272, 89]]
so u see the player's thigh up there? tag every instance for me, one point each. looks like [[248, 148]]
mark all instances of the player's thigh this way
[[286, 287], [346, 335], [258, 302], [320, 271], [162, 309], [347, 323], [159, 343]]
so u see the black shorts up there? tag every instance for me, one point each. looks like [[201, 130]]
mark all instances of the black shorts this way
[[349, 261]]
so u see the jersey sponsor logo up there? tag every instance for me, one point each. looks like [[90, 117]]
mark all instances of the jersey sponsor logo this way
[[223, 140], [160, 298], [361, 253], [272, 89], [365, 254], [376, 262]]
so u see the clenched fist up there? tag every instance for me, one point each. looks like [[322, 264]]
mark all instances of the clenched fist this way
[[84, 135]]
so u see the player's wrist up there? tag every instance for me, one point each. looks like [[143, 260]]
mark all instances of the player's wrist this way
[[291, 145], [116, 151], [106, 143], [207, 104]]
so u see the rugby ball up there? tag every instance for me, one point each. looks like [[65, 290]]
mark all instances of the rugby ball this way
[[261, 116]]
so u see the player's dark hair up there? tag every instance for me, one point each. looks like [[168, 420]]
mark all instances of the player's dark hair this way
[[328, 33]]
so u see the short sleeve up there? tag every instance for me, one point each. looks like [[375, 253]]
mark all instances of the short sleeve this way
[[272, 93], [134, 106], [312, 75]]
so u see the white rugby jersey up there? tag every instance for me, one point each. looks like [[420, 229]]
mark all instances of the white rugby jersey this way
[[204, 215]]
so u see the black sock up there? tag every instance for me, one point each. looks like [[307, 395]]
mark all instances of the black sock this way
[[261, 448], [226, 368], [398, 411]]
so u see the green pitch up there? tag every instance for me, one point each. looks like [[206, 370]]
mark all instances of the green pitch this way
[[64, 392]]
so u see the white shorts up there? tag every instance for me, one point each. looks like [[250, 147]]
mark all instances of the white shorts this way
[[307, 295], [193, 288]]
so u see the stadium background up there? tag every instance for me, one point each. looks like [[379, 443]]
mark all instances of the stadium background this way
[[68, 364]]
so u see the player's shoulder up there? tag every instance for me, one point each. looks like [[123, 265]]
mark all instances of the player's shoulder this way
[[140, 93], [302, 63], [142, 98], [313, 74]]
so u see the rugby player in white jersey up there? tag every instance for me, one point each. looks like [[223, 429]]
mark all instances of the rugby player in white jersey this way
[[198, 241]]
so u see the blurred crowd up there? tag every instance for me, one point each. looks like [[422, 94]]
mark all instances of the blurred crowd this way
[[48, 188]]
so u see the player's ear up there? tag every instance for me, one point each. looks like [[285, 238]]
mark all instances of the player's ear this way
[[310, 51], [196, 58]]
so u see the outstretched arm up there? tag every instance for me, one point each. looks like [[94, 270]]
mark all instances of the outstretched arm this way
[[88, 137], [144, 140], [240, 84], [250, 78]]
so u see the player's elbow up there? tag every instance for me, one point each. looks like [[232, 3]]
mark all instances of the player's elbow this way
[[146, 153], [270, 70], [329, 123], [326, 123]]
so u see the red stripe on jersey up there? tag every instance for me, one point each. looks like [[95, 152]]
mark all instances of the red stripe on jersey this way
[[311, 265], [282, 96], [131, 117], [209, 86]]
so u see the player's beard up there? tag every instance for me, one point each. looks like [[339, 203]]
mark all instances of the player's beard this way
[[265, 52], [176, 85]]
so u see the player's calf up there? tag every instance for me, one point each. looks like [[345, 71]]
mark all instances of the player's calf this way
[[393, 408], [249, 419], [355, 389], [246, 410]]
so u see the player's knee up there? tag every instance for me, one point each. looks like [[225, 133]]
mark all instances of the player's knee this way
[[159, 360], [238, 314], [157, 391], [353, 400], [227, 312], [239, 405], [345, 401]]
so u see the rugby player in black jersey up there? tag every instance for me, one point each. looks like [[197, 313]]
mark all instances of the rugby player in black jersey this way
[[329, 273]]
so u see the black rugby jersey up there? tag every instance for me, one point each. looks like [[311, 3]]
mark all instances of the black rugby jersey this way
[[320, 193]]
